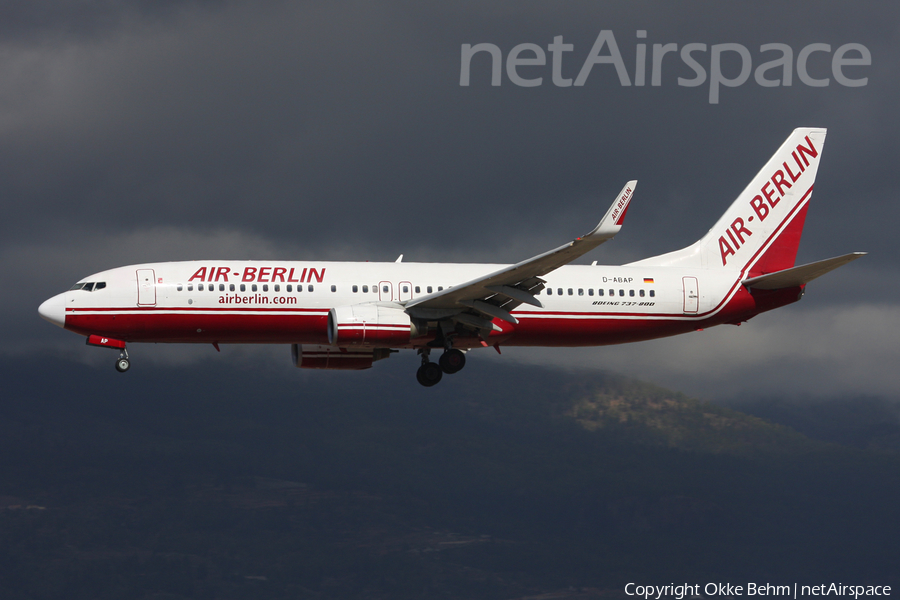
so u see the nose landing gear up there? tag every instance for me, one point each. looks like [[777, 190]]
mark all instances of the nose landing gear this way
[[122, 363]]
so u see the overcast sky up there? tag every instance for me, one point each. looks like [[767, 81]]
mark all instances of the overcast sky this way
[[145, 131]]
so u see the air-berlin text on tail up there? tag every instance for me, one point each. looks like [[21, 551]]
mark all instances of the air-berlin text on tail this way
[[260, 274], [770, 194]]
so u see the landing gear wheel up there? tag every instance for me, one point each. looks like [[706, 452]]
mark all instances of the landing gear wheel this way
[[122, 365], [452, 361], [429, 374]]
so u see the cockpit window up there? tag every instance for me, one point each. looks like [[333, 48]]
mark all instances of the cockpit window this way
[[89, 286]]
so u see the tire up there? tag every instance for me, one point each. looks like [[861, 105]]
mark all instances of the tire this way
[[122, 365], [452, 361], [429, 374]]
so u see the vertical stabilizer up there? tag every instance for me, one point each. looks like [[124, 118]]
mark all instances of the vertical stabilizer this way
[[760, 232]]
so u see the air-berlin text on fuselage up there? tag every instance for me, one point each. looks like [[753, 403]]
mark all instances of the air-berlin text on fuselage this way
[[260, 274], [768, 197]]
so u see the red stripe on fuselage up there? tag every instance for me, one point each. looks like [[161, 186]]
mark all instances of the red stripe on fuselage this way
[[155, 326], [534, 329]]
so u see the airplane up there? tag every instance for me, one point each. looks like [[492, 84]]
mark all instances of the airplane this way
[[348, 315]]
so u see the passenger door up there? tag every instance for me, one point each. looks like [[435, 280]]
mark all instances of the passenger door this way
[[146, 281], [691, 295]]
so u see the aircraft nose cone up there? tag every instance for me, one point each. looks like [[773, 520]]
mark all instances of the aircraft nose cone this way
[[54, 310]]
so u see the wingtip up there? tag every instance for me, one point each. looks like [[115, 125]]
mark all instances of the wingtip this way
[[612, 221], [623, 201]]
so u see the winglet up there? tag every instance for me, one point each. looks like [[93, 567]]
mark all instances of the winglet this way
[[612, 221]]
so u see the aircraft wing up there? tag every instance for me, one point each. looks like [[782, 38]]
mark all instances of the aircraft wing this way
[[495, 294]]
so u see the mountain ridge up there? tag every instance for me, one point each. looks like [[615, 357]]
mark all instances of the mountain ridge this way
[[234, 483]]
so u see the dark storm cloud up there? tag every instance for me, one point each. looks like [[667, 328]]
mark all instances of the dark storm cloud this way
[[341, 131], [242, 114], [83, 18]]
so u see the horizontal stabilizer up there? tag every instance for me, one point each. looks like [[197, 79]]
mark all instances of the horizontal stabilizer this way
[[797, 276]]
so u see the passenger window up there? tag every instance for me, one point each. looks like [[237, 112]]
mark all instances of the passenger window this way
[[559, 291], [221, 287], [253, 287], [265, 287], [405, 289], [590, 291], [355, 288], [429, 289], [277, 288], [549, 291], [384, 289], [580, 292], [243, 287], [642, 293], [179, 288], [652, 293], [612, 292], [199, 287], [309, 288], [190, 287], [631, 293], [599, 292], [230, 287], [440, 288], [621, 292], [365, 289], [334, 288], [289, 288], [418, 291]]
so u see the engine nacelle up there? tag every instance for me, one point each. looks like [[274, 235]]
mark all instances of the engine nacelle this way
[[372, 325], [328, 357]]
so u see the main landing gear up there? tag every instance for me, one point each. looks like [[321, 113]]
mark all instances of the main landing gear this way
[[451, 361]]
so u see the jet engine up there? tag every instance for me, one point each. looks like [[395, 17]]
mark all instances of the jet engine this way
[[372, 325]]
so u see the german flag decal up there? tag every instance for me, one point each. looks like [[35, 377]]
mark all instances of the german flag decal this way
[[648, 280]]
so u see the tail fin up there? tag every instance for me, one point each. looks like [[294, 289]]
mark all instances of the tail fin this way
[[760, 232]]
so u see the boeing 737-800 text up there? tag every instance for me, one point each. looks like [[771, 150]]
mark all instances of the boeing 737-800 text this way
[[347, 315]]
